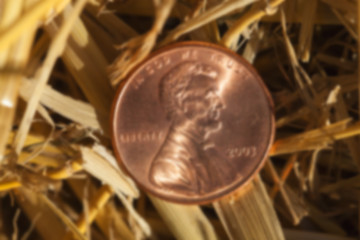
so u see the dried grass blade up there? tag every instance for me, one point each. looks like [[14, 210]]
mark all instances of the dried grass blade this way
[[40, 11], [61, 215], [50, 155], [307, 29], [252, 46], [75, 110], [296, 210], [15, 226], [139, 47], [98, 201], [185, 222], [315, 139], [343, 64], [323, 222], [48, 225], [56, 48], [13, 59], [108, 31], [31, 228], [109, 219], [250, 17], [102, 165], [299, 114], [207, 17], [101, 168], [141, 223], [87, 65], [119, 30], [349, 183], [346, 23], [299, 206], [302, 78], [323, 16], [248, 208]]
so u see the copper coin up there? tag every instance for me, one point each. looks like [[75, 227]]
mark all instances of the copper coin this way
[[193, 123]]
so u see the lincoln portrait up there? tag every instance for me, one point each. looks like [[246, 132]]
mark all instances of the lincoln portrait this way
[[187, 161]]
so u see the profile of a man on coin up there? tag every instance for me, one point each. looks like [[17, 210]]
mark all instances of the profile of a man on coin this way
[[187, 160]]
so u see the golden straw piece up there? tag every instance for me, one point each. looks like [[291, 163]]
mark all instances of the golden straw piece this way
[[6, 186], [179, 217], [249, 214], [57, 46], [136, 49], [13, 59], [41, 10], [210, 15], [97, 203], [246, 20]]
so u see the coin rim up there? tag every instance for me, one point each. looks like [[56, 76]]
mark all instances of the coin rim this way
[[121, 89]]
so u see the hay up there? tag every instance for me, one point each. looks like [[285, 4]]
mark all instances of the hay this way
[[62, 60]]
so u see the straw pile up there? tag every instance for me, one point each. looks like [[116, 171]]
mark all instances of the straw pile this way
[[62, 60]]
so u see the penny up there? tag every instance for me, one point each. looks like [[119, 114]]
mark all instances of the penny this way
[[193, 123]]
